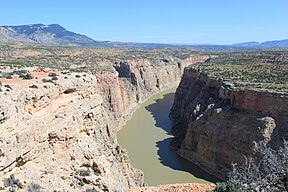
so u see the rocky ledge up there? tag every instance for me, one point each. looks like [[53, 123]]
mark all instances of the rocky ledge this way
[[189, 187], [216, 124]]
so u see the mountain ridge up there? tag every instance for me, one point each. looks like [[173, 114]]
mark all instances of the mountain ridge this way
[[55, 34], [52, 34], [266, 44]]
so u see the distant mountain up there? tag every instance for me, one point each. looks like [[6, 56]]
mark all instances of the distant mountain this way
[[275, 44], [7, 35], [53, 34], [266, 44], [247, 44]]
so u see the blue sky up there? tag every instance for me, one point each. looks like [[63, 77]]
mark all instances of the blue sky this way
[[160, 21]]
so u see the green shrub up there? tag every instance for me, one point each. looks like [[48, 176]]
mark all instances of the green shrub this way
[[33, 187], [47, 81], [20, 72], [8, 86], [26, 76], [229, 186], [12, 183], [91, 190], [81, 183], [83, 173], [7, 75], [52, 75], [33, 86]]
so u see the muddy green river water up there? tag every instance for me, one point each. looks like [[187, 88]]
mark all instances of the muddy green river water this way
[[146, 137]]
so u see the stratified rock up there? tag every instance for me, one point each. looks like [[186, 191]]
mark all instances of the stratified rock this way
[[216, 124], [50, 133], [61, 135]]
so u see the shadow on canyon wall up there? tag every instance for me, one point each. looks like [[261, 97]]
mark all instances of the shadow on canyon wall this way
[[160, 111]]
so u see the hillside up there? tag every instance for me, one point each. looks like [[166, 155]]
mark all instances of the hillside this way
[[53, 34]]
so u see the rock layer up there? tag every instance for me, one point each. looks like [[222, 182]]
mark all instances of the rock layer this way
[[61, 135], [216, 124]]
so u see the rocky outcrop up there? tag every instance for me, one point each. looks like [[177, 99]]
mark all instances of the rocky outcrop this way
[[61, 134], [216, 124], [60, 139], [134, 81], [187, 187]]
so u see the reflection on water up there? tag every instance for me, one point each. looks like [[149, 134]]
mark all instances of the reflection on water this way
[[146, 137]]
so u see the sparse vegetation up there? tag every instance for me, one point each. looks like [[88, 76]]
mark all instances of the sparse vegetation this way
[[47, 81], [20, 72], [52, 75], [268, 171], [8, 87], [250, 69], [26, 76], [91, 190], [12, 183], [33, 187], [80, 59], [33, 86], [83, 173]]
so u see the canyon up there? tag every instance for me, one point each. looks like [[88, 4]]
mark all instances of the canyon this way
[[60, 133], [216, 123], [61, 109]]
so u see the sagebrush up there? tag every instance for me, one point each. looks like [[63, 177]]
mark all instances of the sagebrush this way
[[267, 171]]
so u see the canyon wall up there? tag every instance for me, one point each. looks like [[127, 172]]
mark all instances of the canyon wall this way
[[61, 135], [216, 124]]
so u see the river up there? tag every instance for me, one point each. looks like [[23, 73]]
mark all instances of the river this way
[[146, 137]]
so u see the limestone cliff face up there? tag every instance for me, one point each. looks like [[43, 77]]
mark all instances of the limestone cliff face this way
[[135, 81], [61, 135], [58, 136], [216, 124]]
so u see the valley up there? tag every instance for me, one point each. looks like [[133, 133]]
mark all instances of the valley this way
[[59, 125]]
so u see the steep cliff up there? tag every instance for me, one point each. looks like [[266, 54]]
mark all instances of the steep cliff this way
[[216, 124], [58, 137], [61, 134], [135, 81]]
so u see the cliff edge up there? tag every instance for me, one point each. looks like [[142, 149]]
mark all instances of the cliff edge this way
[[216, 123], [58, 128]]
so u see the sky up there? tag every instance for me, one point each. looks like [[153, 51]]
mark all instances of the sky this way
[[157, 21]]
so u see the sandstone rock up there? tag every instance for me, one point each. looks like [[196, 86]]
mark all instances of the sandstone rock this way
[[216, 124], [51, 132], [47, 133], [177, 188]]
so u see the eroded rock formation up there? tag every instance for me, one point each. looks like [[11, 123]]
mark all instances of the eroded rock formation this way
[[61, 135], [216, 124]]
